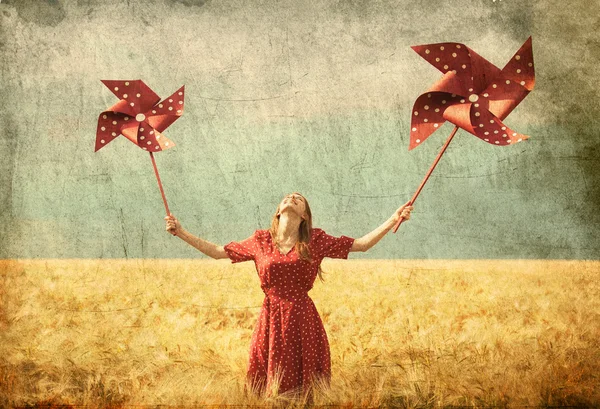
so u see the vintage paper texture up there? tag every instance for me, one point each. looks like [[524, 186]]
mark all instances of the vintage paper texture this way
[[286, 96], [292, 96]]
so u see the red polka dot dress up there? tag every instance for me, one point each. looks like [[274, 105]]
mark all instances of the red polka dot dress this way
[[289, 345]]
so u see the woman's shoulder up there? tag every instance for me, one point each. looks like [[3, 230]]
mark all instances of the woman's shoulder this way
[[316, 232], [261, 233]]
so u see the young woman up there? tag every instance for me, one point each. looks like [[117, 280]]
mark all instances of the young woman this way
[[289, 349]]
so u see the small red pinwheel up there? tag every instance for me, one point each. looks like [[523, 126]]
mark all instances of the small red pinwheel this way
[[473, 94], [141, 117]]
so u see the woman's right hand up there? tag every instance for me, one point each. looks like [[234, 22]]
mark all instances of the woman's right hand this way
[[173, 225], [403, 212]]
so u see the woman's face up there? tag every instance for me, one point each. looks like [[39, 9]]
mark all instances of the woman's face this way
[[294, 202]]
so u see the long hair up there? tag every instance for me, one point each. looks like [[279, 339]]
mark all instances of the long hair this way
[[304, 233]]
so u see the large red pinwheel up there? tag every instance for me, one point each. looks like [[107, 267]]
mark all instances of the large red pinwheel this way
[[473, 94], [141, 117]]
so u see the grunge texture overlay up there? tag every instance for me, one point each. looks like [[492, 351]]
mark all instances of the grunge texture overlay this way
[[286, 96]]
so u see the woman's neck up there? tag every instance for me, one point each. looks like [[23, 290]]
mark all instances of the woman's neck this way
[[287, 232]]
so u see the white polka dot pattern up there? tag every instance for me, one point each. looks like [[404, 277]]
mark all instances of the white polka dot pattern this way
[[137, 116], [168, 111], [473, 94], [289, 335]]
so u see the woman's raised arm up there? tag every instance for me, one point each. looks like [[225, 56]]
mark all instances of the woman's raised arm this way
[[370, 239], [210, 249]]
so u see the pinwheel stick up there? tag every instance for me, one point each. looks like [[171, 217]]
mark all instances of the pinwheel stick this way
[[162, 192], [439, 156]]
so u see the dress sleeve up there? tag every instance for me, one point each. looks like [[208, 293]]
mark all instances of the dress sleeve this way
[[332, 247], [244, 250]]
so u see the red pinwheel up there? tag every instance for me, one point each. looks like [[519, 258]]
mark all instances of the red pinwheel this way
[[141, 117], [473, 94]]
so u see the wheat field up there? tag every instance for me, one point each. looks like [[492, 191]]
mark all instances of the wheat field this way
[[403, 333]]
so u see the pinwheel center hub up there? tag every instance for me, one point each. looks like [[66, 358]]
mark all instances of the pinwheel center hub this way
[[140, 117], [473, 98]]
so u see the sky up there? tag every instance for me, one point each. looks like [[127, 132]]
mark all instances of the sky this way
[[284, 96]]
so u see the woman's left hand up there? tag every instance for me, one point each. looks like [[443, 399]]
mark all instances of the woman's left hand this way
[[403, 212]]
